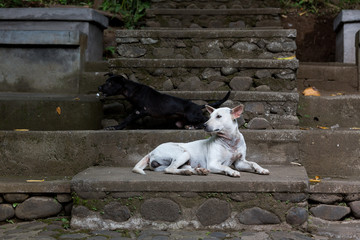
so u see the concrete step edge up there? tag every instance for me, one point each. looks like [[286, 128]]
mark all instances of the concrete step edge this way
[[107, 179], [206, 33], [247, 11], [199, 63]]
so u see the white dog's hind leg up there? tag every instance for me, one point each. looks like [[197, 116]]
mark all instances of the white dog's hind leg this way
[[247, 166], [141, 165], [173, 168]]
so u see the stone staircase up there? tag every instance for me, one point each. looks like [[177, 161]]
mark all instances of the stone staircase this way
[[192, 51], [199, 53]]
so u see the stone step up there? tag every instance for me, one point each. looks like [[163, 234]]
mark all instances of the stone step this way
[[65, 153], [116, 198], [40, 111], [213, 18], [263, 110], [330, 111], [210, 4], [206, 44], [328, 78], [330, 153], [210, 74]]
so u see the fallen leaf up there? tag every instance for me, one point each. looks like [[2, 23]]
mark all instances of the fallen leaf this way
[[355, 128], [77, 99], [321, 127], [315, 180], [58, 110], [21, 130], [286, 58], [337, 94], [302, 13], [31, 181], [311, 91]]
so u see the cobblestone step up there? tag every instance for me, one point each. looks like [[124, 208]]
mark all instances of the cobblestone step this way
[[40, 111], [213, 18], [210, 74], [123, 199], [263, 110], [206, 44]]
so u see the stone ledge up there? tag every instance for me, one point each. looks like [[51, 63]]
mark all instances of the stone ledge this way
[[247, 11], [19, 185], [335, 186], [206, 33], [201, 63], [53, 14], [43, 38], [104, 179]]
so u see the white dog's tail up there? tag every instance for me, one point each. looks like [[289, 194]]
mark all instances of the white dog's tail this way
[[142, 164]]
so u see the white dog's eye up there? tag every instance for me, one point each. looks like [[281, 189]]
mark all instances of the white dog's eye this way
[[218, 116]]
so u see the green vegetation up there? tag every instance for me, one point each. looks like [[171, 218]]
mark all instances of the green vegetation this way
[[131, 11], [320, 6]]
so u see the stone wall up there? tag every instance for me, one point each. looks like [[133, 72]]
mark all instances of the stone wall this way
[[169, 210], [198, 44], [265, 110], [210, 74], [27, 206]]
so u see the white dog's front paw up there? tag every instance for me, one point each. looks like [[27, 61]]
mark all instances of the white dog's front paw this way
[[234, 173], [263, 171]]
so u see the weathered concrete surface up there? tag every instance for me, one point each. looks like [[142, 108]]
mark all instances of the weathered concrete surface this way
[[347, 185], [36, 111], [330, 153], [85, 20], [334, 230], [19, 185], [105, 179], [328, 77], [41, 61], [329, 111], [69, 152]]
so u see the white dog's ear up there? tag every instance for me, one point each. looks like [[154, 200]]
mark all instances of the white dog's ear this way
[[237, 111], [209, 108]]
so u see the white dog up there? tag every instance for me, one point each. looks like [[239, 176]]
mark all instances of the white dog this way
[[225, 148]]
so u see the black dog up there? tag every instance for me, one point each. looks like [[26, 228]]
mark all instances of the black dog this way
[[149, 102]]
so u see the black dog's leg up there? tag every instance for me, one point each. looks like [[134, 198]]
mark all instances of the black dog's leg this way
[[131, 118]]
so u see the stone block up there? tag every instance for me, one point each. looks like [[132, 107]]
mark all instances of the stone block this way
[[296, 216], [15, 197], [346, 25], [213, 211], [37, 207], [41, 61], [160, 209], [85, 20], [6, 212], [256, 216], [330, 212]]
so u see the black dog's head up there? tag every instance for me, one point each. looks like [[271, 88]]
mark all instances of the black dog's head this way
[[114, 85]]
